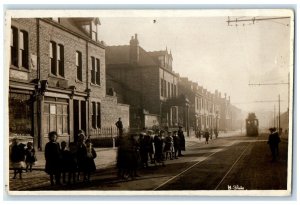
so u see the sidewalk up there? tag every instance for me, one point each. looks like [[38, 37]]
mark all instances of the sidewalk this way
[[106, 157]]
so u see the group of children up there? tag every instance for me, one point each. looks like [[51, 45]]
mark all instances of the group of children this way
[[135, 150], [72, 162], [21, 157]]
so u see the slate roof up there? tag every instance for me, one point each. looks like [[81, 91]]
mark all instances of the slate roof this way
[[71, 24], [120, 55]]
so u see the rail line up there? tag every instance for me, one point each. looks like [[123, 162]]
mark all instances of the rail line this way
[[232, 166], [174, 177]]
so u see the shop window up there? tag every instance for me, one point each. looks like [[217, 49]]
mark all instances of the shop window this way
[[56, 118], [20, 114]]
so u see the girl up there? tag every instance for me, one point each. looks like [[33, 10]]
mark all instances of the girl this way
[[30, 156], [90, 164], [17, 157]]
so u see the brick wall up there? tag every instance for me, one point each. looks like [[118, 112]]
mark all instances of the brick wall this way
[[111, 111], [28, 25]]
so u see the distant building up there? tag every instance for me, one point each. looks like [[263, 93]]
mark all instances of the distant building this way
[[146, 81], [57, 80], [204, 108]]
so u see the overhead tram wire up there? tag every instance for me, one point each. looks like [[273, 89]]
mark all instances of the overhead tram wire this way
[[254, 19]]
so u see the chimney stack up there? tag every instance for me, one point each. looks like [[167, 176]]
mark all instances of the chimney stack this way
[[134, 50]]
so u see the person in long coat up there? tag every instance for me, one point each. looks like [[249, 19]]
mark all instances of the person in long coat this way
[[158, 144], [53, 158], [176, 144], [81, 155], [181, 141], [273, 142]]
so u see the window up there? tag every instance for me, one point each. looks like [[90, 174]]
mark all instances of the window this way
[[162, 87], [60, 60], [19, 48], [20, 114], [169, 94], [175, 94], [98, 115], [24, 49], [79, 65], [94, 115], [94, 31], [165, 88], [98, 72], [56, 118], [95, 72], [56, 59], [14, 47]]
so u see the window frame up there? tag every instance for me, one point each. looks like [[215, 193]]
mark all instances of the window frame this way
[[56, 59], [19, 48], [78, 63]]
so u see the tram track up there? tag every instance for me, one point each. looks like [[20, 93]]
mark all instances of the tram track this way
[[172, 179]]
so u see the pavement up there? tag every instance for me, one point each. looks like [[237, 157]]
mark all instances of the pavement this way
[[106, 158]]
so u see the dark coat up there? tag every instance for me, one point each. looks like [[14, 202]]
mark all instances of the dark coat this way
[[181, 140], [53, 158], [274, 139], [206, 135], [176, 142], [81, 156], [30, 156]]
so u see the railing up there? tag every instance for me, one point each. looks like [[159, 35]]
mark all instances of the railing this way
[[104, 132]]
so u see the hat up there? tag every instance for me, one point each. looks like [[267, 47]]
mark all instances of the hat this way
[[180, 126]]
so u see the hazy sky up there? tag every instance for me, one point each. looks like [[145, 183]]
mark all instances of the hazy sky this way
[[217, 56]]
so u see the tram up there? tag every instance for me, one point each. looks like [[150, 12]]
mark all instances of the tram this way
[[252, 125]]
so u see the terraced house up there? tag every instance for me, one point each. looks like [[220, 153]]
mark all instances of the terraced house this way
[[146, 81], [57, 80]]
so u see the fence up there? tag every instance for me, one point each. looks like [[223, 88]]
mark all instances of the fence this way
[[104, 137]]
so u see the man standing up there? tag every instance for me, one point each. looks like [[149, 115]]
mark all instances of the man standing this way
[[181, 141], [273, 142], [119, 125]]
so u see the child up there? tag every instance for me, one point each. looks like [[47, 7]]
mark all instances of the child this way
[[73, 166], [65, 159], [90, 164], [53, 158], [17, 157], [168, 149], [30, 156]]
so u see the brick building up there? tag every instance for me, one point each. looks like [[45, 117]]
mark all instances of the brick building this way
[[146, 81], [57, 80], [204, 107]]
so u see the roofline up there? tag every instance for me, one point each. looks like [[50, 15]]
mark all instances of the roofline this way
[[72, 32]]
